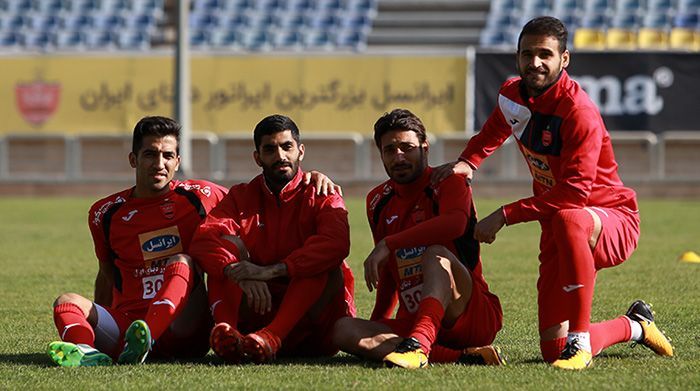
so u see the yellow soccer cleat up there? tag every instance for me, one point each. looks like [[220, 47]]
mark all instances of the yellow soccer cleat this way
[[483, 355], [573, 357], [653, 338], [408, 354]]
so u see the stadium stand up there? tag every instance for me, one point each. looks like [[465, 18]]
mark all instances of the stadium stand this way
[[602, 24]]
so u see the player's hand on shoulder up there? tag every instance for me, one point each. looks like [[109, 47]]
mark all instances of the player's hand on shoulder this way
[[258, 295], [374, 262], [441, 173], [322, 183]]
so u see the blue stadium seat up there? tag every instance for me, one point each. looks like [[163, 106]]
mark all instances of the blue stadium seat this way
[[54, 6], [111, 21], [688, 6], [537, 7], [226, 39], [318, 40], [10, 40], [71, 40], [628, 21], [597, 6], [354, 40], [102, 40], [690, 20], [657, 20], [288, 40], [39, 40], [199, 38], [507, 6], [78, 22], [134, 40], [44, 22], [565, 7], [204, 20], [664, 6]]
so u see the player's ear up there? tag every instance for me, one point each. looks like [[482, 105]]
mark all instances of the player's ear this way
[[301, 152], [132, 159], [565, 57], [256, 157]]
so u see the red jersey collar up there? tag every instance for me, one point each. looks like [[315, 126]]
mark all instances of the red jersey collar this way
[[415, 187]]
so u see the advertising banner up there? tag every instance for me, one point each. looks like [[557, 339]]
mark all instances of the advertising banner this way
[[92, 94], [653, 91]]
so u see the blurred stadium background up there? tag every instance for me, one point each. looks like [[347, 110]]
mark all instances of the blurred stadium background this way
[[77, 74]]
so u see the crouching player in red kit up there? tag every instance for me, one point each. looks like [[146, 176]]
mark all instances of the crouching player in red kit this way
[[148, 293], [274, 254], [589, 219], [426, 259]]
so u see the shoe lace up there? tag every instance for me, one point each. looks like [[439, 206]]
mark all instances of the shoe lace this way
[[572, 347], [408, 345]]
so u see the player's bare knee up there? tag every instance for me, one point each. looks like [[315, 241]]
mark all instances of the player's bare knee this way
[[559, 330], [183, 258], [76, 299]]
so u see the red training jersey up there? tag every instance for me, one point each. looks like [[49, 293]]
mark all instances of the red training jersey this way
[[565, 144], [411, 217], [135, 236], [307, 232]]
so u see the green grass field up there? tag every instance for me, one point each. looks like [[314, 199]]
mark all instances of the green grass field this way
[[45, 249]]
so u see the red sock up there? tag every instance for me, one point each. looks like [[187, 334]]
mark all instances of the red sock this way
[[551, 350], [224, 300], [170, 299], [441, 354], [572, 229], [427, 323], [72, 325], [609, 333], [301, 294]]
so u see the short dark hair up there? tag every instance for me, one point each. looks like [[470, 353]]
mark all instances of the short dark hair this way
[[154, 126], [274, 124], [398, 119], [546, 25]]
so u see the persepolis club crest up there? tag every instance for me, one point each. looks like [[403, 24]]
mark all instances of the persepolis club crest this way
[[37, 100], [168, 209], [546, 138]]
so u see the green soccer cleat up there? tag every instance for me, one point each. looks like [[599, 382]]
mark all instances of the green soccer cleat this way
[[482, 355], [653, 338], [71, 355], [137, 343], [408, 354], [573, 357]]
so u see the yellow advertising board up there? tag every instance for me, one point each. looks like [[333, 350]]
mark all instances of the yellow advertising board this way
[[93, 94]]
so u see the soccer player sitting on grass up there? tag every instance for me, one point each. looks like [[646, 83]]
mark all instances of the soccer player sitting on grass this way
[[426, 259], [589, 219], [274, 251], [147, 288]]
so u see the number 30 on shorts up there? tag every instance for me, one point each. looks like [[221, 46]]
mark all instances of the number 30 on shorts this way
[[151, 285]]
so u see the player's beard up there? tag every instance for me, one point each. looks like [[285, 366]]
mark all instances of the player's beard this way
[[418, 169], [276, 178], [536, 87]]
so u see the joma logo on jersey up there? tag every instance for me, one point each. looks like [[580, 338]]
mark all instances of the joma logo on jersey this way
[[161, 243]]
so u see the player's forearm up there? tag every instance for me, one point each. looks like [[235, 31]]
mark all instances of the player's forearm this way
[[103, 291]]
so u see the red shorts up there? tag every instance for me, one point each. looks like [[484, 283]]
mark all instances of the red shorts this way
[[477, 326], [618, 239], [187, 336]]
